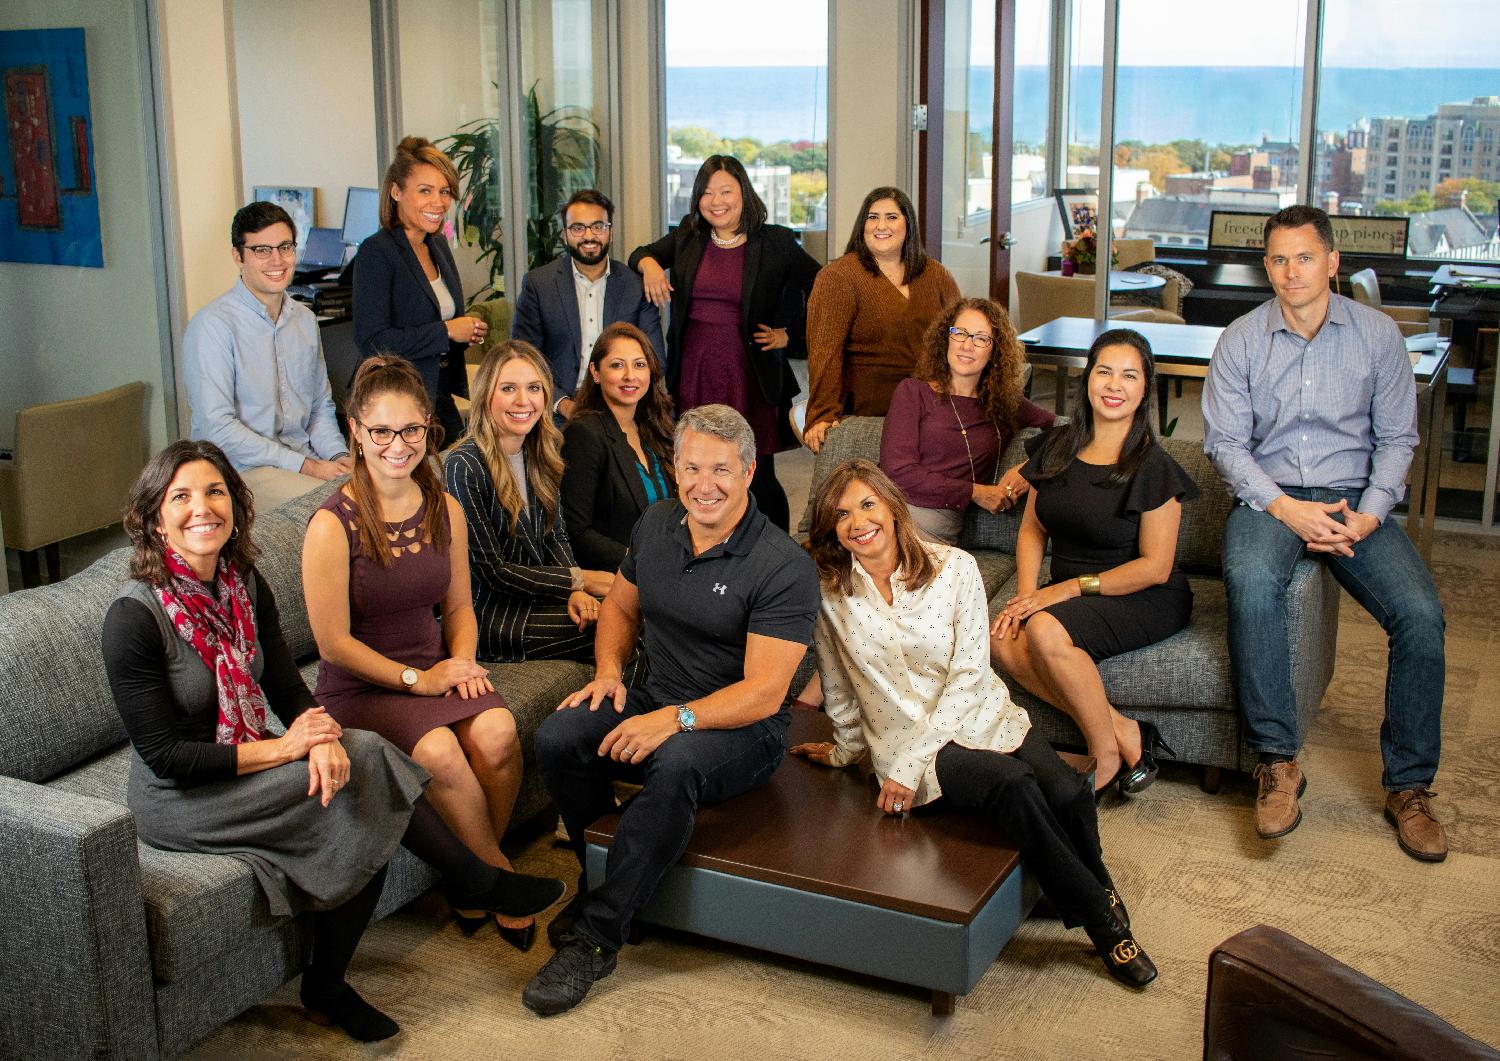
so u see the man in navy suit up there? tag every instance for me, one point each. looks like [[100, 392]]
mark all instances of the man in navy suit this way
[[565, 304]]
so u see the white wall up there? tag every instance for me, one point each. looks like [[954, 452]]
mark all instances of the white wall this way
[[71, 332], [305, 85]]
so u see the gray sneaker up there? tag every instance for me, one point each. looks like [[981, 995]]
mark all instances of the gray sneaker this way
[[564, 980]]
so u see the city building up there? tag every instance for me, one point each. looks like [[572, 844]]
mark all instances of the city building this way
[[1410, 155]]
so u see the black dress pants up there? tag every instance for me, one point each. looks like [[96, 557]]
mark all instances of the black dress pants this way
[[1046, 808], [706, 766]]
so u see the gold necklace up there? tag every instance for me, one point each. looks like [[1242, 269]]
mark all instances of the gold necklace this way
[[962, 430]]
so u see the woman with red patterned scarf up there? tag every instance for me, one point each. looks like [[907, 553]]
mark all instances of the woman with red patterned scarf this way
[[196, 662]]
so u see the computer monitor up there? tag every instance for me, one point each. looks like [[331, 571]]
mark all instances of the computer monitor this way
[[361, 214], [324, 250]]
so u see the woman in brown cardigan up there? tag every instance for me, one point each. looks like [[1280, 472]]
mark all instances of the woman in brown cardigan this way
[[868, 313]]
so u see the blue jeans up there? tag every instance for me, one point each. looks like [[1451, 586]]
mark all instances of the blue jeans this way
[[1389, 580], [705, 766]]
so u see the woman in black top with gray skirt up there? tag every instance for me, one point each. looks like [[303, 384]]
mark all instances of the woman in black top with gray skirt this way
[[197, 663]]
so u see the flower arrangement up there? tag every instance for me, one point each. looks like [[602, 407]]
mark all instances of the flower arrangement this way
[[1083, 250]]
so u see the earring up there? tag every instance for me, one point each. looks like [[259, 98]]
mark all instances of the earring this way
[[359, 450], [234, 534]]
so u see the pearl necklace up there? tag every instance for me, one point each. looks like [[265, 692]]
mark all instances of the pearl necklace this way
[[725, 243]]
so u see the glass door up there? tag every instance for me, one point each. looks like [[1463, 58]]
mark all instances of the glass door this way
[[967, 185]]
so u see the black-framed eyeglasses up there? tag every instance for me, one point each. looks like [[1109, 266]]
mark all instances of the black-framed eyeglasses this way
[[411, 434], [262, 251], [598, 228], [980, 339]]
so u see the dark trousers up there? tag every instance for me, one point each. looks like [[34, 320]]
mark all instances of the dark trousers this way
[[440, 390], [1043, 805], [706, 766]]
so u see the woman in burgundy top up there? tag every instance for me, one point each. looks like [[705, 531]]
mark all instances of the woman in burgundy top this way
[[948, 427], [738, 291]]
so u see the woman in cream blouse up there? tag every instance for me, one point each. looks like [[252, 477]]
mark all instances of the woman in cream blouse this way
[[903, 652]]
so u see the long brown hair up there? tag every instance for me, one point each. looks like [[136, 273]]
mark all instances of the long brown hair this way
[[835, 565], [913, 256], [1064, 444], [542, 444], [653, 413], [411, 152], [1000, 382], [387, 374], [148, 560]]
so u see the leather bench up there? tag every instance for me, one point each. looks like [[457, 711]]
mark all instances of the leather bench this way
[[806, 867]]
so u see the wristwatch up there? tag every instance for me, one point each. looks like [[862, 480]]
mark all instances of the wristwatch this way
[[686, 720], [409, 679]]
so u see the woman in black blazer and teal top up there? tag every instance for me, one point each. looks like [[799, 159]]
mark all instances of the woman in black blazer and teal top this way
[[531, 598], [617, 448], [407, 298], [738, 292]]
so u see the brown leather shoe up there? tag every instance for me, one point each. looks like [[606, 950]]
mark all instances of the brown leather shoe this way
[[1418, 831], [1276, 810]]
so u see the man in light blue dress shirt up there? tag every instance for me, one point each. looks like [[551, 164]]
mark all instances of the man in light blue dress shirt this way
[[253, 364], [1310, 410]]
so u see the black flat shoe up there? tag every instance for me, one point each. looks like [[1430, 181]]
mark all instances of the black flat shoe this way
[[1123, 957], [1138, 778], [346, 1010], [511, 894], [519, 938]]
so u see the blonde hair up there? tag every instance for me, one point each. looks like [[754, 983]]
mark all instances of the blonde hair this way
[[412, 152], [542, 445]]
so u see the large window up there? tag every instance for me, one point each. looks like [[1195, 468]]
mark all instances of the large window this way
[[1207, 113], [1409, 121], [753, 83]]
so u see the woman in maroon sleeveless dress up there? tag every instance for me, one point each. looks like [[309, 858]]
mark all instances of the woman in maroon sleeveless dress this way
[[738, 292], [380, 555]]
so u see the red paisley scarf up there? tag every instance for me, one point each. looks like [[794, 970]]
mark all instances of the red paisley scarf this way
[[221, 628]]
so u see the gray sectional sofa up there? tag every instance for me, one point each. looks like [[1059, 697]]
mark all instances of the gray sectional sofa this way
[[1183, 683], [110, 948]]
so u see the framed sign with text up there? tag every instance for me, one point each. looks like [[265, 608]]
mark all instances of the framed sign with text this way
[[1364, 237]]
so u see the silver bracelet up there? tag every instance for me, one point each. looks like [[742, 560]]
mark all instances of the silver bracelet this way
[[577, 576]]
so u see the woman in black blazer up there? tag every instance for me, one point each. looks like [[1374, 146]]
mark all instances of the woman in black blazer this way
[[738, 293], [407, 298], [617, 449]]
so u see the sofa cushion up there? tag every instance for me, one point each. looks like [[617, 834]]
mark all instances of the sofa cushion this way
[[856, 436], [1200, 538], [279, 534], [56, 709]]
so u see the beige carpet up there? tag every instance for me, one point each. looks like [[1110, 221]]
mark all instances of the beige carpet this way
[[1189, 865]]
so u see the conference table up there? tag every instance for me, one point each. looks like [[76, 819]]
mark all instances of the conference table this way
[[1183, 351]]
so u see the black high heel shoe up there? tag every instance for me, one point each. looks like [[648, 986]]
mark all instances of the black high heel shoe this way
[[1123, 957], [1117, 911], [510, 894], [519, 938], [1138, 778]]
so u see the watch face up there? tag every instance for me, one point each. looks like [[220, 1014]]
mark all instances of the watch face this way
[[686, 717]]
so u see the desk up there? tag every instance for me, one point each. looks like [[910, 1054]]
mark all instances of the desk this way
[[1470, 311], [1121, 281], [1184, 350]]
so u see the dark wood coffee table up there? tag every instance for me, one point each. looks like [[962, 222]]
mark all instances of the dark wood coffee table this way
[[805, 866]]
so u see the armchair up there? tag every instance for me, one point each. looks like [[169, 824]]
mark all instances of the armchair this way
[[63, 482]]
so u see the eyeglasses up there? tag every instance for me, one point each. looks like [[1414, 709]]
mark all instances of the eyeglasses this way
[[980, 339], [286, 249], [598, 228], [411, 434]]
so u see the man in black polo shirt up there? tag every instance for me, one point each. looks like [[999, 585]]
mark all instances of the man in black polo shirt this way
[[727, 601]]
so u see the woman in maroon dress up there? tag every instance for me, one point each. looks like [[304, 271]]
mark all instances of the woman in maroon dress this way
[[380, 554], [738, 291]]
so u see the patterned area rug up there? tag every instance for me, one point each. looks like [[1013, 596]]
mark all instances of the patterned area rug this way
[[1188, 864]]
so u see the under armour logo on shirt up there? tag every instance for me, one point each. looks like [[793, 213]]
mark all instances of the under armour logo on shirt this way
[[719, 588]]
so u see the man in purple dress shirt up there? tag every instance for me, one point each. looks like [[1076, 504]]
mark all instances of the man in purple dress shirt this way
[[1310, 410]]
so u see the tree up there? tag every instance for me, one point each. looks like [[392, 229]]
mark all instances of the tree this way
[[696, 141], [1482, 194]]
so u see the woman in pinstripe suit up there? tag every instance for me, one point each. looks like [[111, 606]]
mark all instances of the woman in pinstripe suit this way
[[531, 598]]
